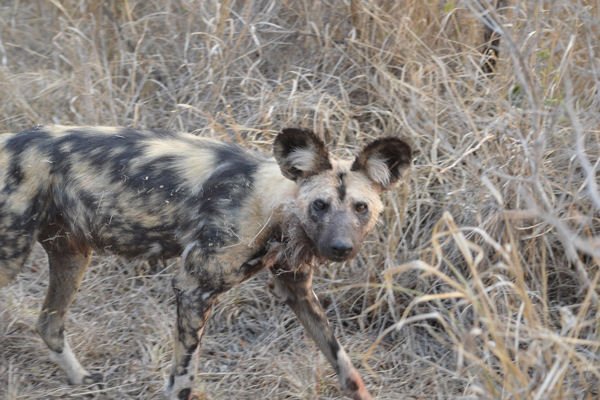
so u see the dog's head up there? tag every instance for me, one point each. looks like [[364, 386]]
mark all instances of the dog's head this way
[[338, 200]]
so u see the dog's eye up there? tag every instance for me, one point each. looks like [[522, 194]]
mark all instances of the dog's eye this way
[[361, 207], [319, 205]]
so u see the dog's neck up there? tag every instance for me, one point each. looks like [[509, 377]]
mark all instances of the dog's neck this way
[[284, 238], [288, 245]]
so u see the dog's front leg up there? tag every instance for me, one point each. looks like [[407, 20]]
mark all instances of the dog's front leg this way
[[194, 301], [295, 289]]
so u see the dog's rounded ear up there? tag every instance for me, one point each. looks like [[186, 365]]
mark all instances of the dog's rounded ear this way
[[384, 161], [300, 153]]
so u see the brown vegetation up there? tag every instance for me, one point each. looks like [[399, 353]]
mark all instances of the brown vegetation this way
[[482, 279]]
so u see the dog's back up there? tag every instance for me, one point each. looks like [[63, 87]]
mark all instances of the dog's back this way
[[137, 193]]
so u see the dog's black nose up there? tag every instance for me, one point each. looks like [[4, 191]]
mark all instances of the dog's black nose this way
[[341, 248]]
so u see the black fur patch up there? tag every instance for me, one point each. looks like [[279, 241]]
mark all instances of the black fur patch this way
[[341, 189], [350, 384], [334, 346], [26, 139], [158, 176], [15, 175], [184, 394]]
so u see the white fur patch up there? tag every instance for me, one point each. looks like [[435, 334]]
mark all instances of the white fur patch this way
[[350, 380], [345, 366], [69, 364], [180, 383], [187, 250], [302, 159], [206, 295], [378, 171], [155, 249]]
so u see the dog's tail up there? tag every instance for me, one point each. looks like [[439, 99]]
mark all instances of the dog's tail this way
[[19, 228], [22, 200], [13, 258]]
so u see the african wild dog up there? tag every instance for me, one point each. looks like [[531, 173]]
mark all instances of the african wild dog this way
[[226, 211]]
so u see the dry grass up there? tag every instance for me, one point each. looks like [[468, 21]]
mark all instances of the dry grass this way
[[482, 279]]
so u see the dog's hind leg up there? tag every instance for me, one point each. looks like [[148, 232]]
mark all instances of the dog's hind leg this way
[[67, 263]]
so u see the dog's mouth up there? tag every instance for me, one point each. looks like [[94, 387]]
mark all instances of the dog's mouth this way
[[337, 256]]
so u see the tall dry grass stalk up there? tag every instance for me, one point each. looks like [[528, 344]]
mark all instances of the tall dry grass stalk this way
[[482, 279]]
